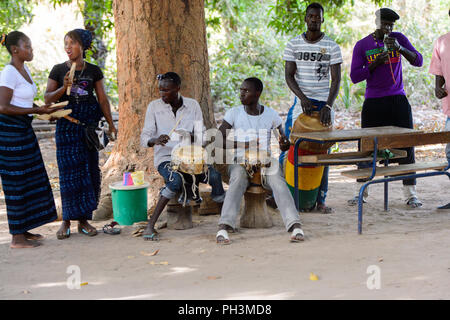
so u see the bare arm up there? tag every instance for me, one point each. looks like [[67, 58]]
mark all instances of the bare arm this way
[[221, 142], [439, 90], [53, 93], [104, 104], [290, 69], [7, 108], [283, 141], [325, 112]]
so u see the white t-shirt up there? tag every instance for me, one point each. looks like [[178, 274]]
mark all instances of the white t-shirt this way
[[248, 128], [23, 91], [313, 62]]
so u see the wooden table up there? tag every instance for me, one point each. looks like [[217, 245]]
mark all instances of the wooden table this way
[[370, 141]]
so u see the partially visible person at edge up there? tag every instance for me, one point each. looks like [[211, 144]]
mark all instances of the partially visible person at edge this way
[[377, 59], [28, 194], [252, 124], [311, 58], [440, 67], [79, 172], [174, 111]]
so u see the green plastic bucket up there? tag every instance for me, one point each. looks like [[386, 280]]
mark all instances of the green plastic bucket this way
[[129, 203]]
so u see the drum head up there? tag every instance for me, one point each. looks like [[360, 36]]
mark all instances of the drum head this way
[[305, 123], [257, 156], [190, 159]]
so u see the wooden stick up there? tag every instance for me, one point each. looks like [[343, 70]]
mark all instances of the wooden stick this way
[[71, 75], [176, 125], [59, 104]]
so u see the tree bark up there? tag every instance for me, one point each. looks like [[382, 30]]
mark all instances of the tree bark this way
[[155, 37]]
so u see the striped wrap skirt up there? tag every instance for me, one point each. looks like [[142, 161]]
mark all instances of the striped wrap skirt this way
[[28, 194], [79, 171]]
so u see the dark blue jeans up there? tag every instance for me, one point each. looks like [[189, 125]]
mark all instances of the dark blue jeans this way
[[174, 183]]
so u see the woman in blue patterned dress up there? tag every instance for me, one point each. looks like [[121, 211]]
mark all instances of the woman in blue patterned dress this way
[[28, 195], [79, 172]]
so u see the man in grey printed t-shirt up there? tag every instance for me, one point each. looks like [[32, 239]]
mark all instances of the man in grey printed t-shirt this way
[[312, 58]]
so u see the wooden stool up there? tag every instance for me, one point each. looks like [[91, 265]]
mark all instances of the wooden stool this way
[[178, 217], [208, 205], [255, 214]]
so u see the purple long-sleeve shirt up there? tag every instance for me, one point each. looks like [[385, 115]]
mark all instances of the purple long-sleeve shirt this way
[[379, 83]]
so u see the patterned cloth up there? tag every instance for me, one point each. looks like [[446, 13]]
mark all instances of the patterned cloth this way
[[313, 62], [28, 194], [79, 172]]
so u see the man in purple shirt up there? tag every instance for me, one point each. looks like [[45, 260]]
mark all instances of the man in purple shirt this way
[[377, 59]]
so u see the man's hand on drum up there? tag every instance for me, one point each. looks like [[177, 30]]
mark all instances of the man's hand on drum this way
[[325, 116], [307, 106], [284, 143], [162, 140]]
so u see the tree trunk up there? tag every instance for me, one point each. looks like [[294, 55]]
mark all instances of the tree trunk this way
[[155, 37]]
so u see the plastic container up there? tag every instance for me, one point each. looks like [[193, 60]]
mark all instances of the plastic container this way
[[129, 203]]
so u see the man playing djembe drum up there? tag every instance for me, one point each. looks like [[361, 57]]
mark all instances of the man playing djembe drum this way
[[252, 121], [312, 59], [173, 111]]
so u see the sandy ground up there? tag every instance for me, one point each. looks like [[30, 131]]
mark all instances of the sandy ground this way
[[407, 248]]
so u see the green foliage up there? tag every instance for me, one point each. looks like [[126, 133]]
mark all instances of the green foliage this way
[[250, 50], [14, 13], [99, 18], [287, 16], [350, 95]]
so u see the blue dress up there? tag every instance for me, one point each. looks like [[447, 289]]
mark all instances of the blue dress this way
[[79, 172]]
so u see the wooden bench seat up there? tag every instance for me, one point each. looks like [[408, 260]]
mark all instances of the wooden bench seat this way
[[395, 170], [346, 157]]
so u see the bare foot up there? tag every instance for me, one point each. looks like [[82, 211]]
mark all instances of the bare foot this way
[[19, 241], [31, 236]]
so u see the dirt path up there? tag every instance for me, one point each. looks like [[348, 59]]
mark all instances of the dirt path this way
[[408, 248]]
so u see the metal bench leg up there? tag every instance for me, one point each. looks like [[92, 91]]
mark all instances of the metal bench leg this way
[[386, 196], [386, 190], [360, 206]]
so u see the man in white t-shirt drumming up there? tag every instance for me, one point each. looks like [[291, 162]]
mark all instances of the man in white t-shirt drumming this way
[[312, 58], [252, 121]]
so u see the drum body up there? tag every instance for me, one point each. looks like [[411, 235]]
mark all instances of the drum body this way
[[309, 177], [190, 159], [254, 160]]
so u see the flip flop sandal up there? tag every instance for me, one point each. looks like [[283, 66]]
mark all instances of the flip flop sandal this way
[[62, 235], [224, 234], [91, 233], [151, 237], [354, 201], [444, 207], [324, 209], [414, 203], [109, 228], [295, 233]]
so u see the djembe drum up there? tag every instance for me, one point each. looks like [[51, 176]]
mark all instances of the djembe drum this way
[[255, 214], [309, 177], [188, 161]]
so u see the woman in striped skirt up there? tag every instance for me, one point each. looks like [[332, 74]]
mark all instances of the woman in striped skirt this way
[[79, 172], [28, 195]]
